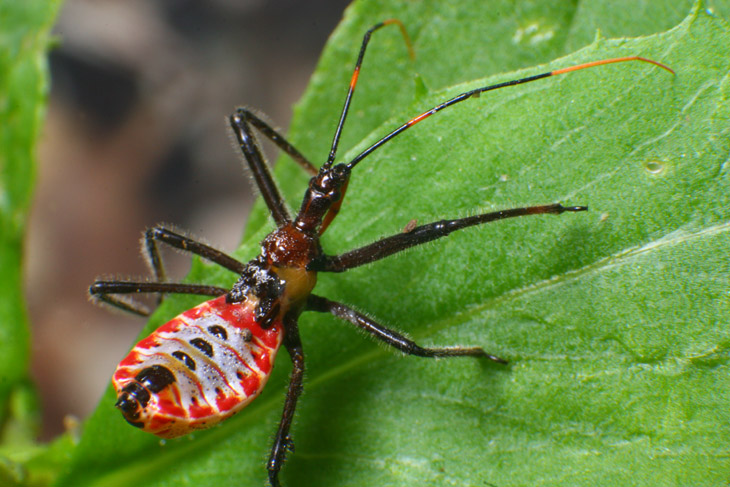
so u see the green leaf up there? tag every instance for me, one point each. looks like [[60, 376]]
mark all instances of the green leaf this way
[[614, 320], [24, 40]]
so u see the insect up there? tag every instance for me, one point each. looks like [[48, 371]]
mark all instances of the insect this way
[[211, 361]]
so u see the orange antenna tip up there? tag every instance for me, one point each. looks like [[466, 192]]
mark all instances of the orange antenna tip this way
[[611, 61], [405, 35]]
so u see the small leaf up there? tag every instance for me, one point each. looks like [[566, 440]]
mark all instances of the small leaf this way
[[24, 40]]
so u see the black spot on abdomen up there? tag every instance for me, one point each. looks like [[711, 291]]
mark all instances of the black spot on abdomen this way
[[203, 346], [218, 331], [155, 378], [184, 358]]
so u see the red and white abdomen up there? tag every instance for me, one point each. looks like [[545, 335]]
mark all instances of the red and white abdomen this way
[[196, 370]]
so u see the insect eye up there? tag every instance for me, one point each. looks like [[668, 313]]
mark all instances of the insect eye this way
[[218, 331]]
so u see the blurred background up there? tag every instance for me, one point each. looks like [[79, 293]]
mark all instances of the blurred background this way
[[136, 134]]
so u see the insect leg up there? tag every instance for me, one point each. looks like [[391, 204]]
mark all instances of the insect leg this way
[[104, 291], [282, 441], [181, 242], [260, 170], [247, 116], [391, 337], [425, 233]]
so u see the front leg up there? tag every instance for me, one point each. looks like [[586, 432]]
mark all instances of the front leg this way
[[278, 139], [259, 169], [282, 441]]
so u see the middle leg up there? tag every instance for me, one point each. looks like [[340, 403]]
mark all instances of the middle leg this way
[[106, 291], [425, 233], [162, 234]]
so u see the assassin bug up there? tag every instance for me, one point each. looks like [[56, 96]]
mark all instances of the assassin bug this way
[[212, 360]]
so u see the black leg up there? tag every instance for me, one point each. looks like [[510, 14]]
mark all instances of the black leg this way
[[282, 441], [260, 170], [392, 338], [104, 291], [247, 116], [181, 242], [422, 234]]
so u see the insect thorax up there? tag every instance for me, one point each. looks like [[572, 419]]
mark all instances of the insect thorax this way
[[278, 279]]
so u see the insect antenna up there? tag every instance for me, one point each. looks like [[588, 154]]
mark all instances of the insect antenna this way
[[356, 74], [478, 91]]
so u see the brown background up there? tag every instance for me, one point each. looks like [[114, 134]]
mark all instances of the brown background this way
[[136, 135]]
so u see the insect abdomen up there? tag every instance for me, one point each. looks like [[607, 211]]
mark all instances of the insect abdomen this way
[[196, 370]]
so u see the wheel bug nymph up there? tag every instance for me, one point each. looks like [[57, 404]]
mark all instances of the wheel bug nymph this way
[[210, 361]]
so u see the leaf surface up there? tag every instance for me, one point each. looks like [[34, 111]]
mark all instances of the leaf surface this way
[[24, 41], [614, 320]]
